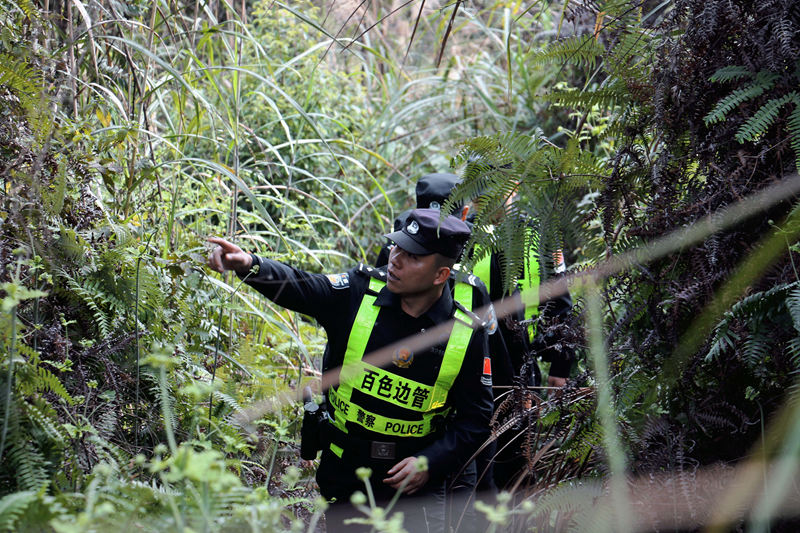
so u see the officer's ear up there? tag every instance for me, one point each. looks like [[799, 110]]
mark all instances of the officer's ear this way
[[442, 275], [444, 265]]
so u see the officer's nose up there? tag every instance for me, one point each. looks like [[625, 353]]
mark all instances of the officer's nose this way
[[397, 257]]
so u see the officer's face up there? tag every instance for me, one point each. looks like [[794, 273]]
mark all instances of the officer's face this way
[[409, 274]]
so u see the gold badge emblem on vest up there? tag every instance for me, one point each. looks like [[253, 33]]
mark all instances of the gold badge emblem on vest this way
[[403, 357]]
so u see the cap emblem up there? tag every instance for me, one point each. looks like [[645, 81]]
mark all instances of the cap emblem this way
[[413, 228]]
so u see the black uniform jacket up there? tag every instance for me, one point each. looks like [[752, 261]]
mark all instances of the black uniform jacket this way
[[516, 336], [334, 301]]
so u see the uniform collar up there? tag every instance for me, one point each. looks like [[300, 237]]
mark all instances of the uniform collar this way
[[439, 312]]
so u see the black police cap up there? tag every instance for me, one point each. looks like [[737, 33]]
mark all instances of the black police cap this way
[[422, 234], [434, 189]]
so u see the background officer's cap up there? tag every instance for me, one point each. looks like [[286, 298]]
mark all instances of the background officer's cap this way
[[423, 235], [434, 189]]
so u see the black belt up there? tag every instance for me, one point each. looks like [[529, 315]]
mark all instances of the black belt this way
[[355, 447]]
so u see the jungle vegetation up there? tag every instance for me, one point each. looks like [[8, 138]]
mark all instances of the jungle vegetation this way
[[656, 142]]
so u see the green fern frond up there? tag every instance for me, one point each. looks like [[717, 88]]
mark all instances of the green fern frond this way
[[762, 82], [109, 453], [730, 73], [578, 50], [18, 76], [39, 379], [289, 501], [793, 348], [594, 517], [633, 390], [30, 353], [540, 176], [228, 400], [90, 296], [28, 8], [582, 442], [757, 349], [756, 125], [151, 295], [794, 129], [30, 465], [629, 58], [723, 340], [47, 423], [12, 506], [793, 306], [754, 310], [107, 423], [567, 499], [26, 83], [765, 303], [603, 98]]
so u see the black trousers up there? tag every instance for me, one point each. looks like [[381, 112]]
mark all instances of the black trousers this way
[[439, 507], [423, 512]]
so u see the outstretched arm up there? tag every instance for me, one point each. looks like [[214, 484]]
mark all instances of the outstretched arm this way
[[228, 256]]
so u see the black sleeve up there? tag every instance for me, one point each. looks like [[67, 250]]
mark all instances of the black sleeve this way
[[469, 428], [383, 256], [550, 345], [316, 295], [515, 343]]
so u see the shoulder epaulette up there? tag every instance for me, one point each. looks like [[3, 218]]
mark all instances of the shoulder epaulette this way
[[465, 277], [476, 321], [371, 271]]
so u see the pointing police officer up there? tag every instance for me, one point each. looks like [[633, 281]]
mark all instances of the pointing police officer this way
[[427, 402]]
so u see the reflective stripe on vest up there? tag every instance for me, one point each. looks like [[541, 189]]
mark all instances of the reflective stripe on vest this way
[[398, 427], [528, 284], [483, 269], [424, 402]]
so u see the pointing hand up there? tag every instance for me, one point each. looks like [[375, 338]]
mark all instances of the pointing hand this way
[[228, 256]]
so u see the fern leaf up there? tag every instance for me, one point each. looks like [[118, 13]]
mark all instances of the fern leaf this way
[[793, 348], [793, 305], [756, 125], [18, 76], [603, 98], [566, 500], [730, 73], [50, 426], [630, 56], [579, 50], [90, 298], [48, 381], [30, 465], [12, 506], [108, 452], [763, 82], [39, 379], [756, 349], [794, 129], [229, 401]]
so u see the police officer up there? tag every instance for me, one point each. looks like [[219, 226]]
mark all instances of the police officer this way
[[524, 342], [433, 402], [520, 329]]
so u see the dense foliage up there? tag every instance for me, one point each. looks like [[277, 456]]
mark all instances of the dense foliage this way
[[139, 391]]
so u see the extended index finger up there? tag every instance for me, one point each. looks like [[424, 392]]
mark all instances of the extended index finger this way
[[227, 247]]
